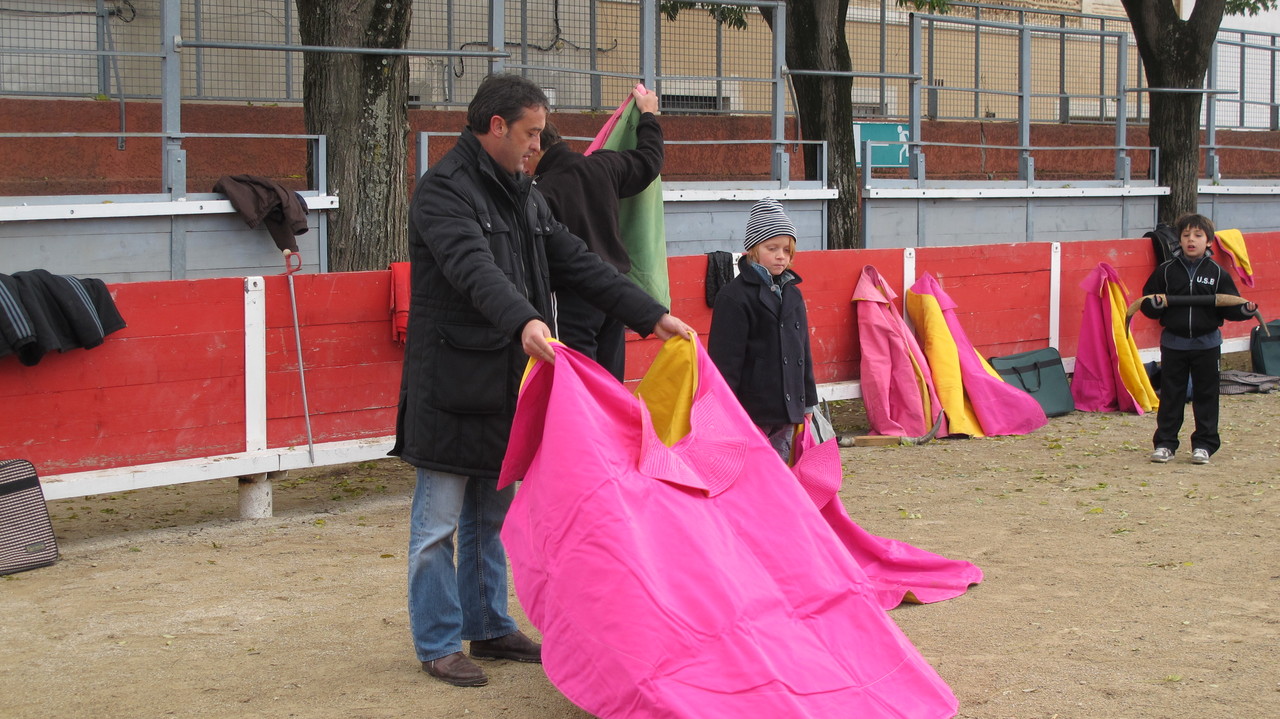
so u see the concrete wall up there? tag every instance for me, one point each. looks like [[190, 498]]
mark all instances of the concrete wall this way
[[973, 214], [158, 239], [950, 217], [700, 221]]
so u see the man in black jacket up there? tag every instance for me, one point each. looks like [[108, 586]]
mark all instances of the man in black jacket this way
[[484, 250], [584, 192]]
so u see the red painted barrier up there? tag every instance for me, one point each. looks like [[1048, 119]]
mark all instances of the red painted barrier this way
[[172, 385]]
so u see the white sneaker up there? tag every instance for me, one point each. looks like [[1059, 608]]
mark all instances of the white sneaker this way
[[1162, 455], [1199, 456]]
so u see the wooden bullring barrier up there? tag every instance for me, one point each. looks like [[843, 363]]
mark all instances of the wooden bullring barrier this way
[[204, 382]]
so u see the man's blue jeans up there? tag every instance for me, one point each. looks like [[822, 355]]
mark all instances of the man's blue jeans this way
[[449, 603]]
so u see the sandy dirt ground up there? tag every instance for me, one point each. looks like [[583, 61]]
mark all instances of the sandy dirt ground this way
[[1115, 588]]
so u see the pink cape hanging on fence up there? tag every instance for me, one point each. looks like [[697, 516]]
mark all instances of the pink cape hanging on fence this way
[[689, 581], [897, 387], [607, 129], [898, 571], [1109, 375], [976, 400]]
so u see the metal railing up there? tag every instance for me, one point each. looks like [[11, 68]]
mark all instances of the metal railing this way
[[979, 62], [583, 48]]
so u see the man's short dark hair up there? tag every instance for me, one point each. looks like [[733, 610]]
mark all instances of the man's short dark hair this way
[[505, 95], [1197, 221], [550, 137]]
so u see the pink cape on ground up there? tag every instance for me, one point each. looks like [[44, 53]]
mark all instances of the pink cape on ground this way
[[696, 580], [897, 571], [897, 387]]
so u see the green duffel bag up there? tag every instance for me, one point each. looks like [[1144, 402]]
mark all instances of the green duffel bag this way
[[1264, 350], [1041, 374]]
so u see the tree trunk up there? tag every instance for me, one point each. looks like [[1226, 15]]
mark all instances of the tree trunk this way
[[360, 102], [1175, 54], [816, 41], [1175, 132]]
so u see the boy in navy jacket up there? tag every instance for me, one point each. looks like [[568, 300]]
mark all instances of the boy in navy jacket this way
[[1191, 343]]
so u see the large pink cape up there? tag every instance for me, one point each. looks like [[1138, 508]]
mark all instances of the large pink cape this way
[[897, 387], [896, 570], [696, 580]]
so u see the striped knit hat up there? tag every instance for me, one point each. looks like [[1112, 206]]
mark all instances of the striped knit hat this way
[[767, 220]]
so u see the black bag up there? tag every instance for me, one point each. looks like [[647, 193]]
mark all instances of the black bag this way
[[1264, 351], [719, 274], [26, 534], [1041, 374], [1165, 243]]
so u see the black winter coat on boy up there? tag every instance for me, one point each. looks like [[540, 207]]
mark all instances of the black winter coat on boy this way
[[760, 343], [1180, 277]]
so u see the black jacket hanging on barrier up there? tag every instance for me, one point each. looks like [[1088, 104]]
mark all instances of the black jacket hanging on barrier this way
[[41, 312], [260, 200]]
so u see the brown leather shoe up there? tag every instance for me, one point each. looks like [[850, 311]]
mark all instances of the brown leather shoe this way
[[515, 646], [457, 670]]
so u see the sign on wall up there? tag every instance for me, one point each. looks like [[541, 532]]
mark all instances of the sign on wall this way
[[894, 155]]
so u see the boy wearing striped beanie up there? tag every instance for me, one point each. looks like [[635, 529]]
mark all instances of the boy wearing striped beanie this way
[[759, 336]]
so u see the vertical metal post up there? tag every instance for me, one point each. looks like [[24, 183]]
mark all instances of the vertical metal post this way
[[916, 162], [1026, 163], [1102, 76], [1064, 102], [289, 24], [524, 36], [864, 175], [175, 158], [497, 33], [976, 80], [449, 77], [649, 42], [321, 179], [781, 169], [1241, 82], [884, 39], [933, 78], [322, 184], [657, 42], [596, 96], [104, 62], [1275, 108], [1123, 162], [420, 168], [197, 26], [1141, 75], [719, 105], [1211, 161]]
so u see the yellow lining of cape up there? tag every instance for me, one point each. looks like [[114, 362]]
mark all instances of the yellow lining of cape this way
[[667, 389]]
